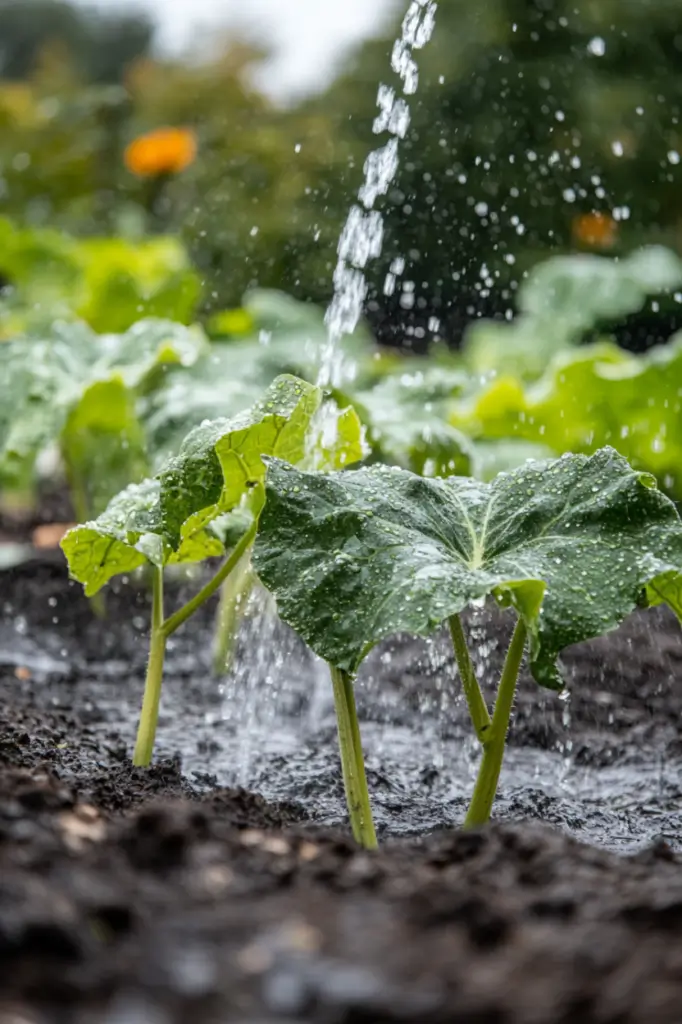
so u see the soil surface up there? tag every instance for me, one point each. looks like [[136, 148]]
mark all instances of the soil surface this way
[[221, 885]]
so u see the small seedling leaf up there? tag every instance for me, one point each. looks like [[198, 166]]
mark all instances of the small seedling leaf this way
[[119, 541]]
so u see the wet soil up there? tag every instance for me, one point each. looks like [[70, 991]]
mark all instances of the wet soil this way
[[220, 885]]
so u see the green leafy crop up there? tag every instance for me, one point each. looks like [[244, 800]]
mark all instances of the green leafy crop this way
[[110, 283], [563, 299], [407, 419], [572, 545], [80, 392], [272, 334], [205, 503], [587, 398]]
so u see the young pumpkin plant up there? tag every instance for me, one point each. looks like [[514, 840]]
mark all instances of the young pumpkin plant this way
[[204, 504], [572, 546]]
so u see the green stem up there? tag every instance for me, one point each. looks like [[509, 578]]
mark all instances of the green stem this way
[[495, 737], [477, 707], [175, 621], [98, 605], [234, 595], [352, 763], [146, 733], [160, 631]]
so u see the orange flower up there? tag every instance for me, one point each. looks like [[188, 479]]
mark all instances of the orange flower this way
[[598, 230], [163, 151]]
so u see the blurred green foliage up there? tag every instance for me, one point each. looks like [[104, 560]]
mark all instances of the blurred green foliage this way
[[80, 394], [116, 406], [108, 282], [529, 114], [99, 44]]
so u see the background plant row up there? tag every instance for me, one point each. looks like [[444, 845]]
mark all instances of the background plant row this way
[[113, 395]]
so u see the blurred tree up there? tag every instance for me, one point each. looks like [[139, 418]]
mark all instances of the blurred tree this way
[[251, 208], [100, 46]]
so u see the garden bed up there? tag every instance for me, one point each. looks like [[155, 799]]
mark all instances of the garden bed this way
[[167, 894]]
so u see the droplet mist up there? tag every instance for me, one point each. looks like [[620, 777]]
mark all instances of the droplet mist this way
[[362, 236]]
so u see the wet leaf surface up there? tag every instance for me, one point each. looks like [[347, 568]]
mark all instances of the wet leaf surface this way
[[355, 557]]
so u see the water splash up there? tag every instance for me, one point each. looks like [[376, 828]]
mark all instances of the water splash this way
[[261, 691], [255, 691], [362, 236]]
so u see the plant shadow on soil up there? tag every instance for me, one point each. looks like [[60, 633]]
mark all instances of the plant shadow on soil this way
[[162, 895]]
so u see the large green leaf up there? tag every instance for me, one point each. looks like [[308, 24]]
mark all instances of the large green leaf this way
[[123, 281], [210, 492], [102, 444], [572, 544], [42, 268], [146, 347], [128, 534], [38, 384], [272, 334], [209, 389], [119, 541], [108, 282], [499, 456], [561, 300], [220, 460], [294, 336], [575, 293]]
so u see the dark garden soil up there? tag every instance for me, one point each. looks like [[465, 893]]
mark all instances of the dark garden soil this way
[[144, 897]]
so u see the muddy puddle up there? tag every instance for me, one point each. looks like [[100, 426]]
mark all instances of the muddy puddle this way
[[604, 764]]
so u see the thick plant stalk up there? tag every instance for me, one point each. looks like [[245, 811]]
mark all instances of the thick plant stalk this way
[[234, 595], [495, 737], [146, 733], [352, 762], [478, 710]]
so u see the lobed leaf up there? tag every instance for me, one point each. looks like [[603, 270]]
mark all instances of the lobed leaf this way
[[129, 534], [210, 493], [572, 544], [221, 459]]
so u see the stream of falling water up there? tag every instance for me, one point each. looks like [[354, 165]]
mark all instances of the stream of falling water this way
[[269, 709], [254, 692], [362, 236]]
